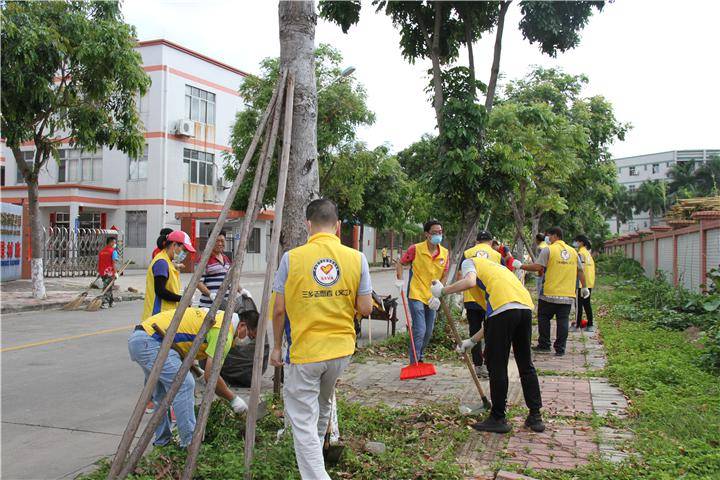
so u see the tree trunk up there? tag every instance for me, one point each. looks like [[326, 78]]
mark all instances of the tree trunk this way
[[36, 240], [617, 224], [297, 55], [461, 242], [495, 70], [471, 55]]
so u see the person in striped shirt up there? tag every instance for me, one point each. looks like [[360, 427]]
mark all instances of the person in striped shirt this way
[[217, 267]]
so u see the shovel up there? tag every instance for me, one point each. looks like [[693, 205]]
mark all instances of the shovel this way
[[332, 453], [96, 303], [77, 301]]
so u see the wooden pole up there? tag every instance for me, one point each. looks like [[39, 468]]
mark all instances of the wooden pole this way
[[466, 357], [139, 410], [253, 206], [272, 256]]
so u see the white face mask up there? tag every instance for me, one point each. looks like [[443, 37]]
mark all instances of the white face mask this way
[[547, 239], [179, 257], [576, 244]]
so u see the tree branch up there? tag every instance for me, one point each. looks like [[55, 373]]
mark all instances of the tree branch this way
[[495, 70]]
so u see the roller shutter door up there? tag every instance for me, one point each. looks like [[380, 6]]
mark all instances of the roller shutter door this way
[[649, 258], [689, 260], [665, 257]]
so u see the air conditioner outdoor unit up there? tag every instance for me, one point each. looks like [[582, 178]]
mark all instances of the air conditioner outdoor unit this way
[[185, 128]]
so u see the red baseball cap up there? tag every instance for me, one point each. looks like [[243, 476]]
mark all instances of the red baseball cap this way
[[178, 236]]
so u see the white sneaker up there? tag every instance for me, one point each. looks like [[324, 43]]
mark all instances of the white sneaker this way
[[481, 371]]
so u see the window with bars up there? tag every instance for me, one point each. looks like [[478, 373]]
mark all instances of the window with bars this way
[[200, 166], [253, 245], [29, 159], [199, 105], [655, 167], [138, 166], [79, 166], [136, 228], [633, 172]]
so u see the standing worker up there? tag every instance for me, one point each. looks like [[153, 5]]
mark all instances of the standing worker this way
[[508, 323], [162, 282], [428, 261], [107, 269], [562, 268], [474, 299], [583, 246], [318, 287], [385, 257], [144, 345]]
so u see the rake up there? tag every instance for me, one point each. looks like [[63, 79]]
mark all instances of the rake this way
[[77, 301], [96, 302], [417, 369]]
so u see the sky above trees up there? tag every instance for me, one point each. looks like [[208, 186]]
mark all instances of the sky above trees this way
[[651, 59]]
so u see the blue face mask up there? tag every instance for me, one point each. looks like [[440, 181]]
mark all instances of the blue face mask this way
[[180, 256], [576, 244], [436, 239], [547, 239]]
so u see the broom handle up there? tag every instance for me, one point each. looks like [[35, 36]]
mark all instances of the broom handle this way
[[409, 327], [458, 341], [109, 285]]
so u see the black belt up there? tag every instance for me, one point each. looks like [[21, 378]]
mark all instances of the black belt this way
[[139, 327]]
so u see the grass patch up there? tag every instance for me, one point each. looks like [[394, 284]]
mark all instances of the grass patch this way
[[420, 443]]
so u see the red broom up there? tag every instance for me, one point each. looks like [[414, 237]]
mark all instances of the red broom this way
[[417, 369]]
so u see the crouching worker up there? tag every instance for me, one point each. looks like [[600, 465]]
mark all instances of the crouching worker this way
[[318, 287], [508, 322], [144, 345], [238, 366]]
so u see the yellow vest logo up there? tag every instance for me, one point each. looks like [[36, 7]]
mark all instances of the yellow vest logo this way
[[326, 272], [565, 255], [482, 254]]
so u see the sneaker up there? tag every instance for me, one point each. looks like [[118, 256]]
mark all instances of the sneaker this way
[[104, 306], [590, 329], [559, 354], [534, 422], [539, 349], [492, 424], [481, 371]]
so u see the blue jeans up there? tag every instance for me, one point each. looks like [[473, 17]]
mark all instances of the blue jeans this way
[[143, 350], [423, 322]]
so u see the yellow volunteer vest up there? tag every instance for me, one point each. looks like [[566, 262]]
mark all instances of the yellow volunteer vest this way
[[498, 285], [481, 250], [588, 267], [542, 245], [187, 331], [561, 271], [320, 292], [154, 305], [424, 269]]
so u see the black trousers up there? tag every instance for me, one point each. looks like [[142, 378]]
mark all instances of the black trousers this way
[[546, 311], [584, 303], [511, 327], [475, 317], [386, 261]]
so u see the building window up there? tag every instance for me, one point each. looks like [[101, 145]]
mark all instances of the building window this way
[[79, 166], [199, 105], [200, 166], [619, 171], [655, 167], [2, 176], [645, 167], [62, 220], [138, 166], [29, 159], [89, 220], [633, 172], [254, 241], [631, 188], [136, 229]]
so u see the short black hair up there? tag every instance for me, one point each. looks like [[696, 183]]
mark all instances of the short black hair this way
[[222, 234], [161, 241], [584, 239], [430, 223], [557, 231], [322, 212], [483, 236], [250, 318], [110, 239], [540, 237]]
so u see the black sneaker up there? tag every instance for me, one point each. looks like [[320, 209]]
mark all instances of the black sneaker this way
[[559, 354], [534, 422], [492, 424], [539, 349]]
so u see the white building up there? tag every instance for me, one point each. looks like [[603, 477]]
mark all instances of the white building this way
[[187, 115], [633, 171]]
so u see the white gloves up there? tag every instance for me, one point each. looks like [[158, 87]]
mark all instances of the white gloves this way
[[245, 293], [466, 344], [434, 304], [516, 264], [212, 296], [238, 405], [436, 288], [584, 292]]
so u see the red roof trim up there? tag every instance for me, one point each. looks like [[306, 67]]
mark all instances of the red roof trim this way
[[61, 186], [167, 43]]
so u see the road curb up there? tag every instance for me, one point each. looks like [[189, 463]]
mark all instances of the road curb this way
[[57, 304]]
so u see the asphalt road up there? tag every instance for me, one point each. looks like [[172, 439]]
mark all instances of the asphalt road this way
[[68, 386]]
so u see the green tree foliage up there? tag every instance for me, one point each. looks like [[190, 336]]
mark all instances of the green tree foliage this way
[[707, 177], [69, 71], [651, 197], [682, 180], [620, 206], [344, 164]]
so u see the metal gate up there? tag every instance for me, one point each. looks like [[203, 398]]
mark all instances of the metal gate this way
[[74, 252]]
